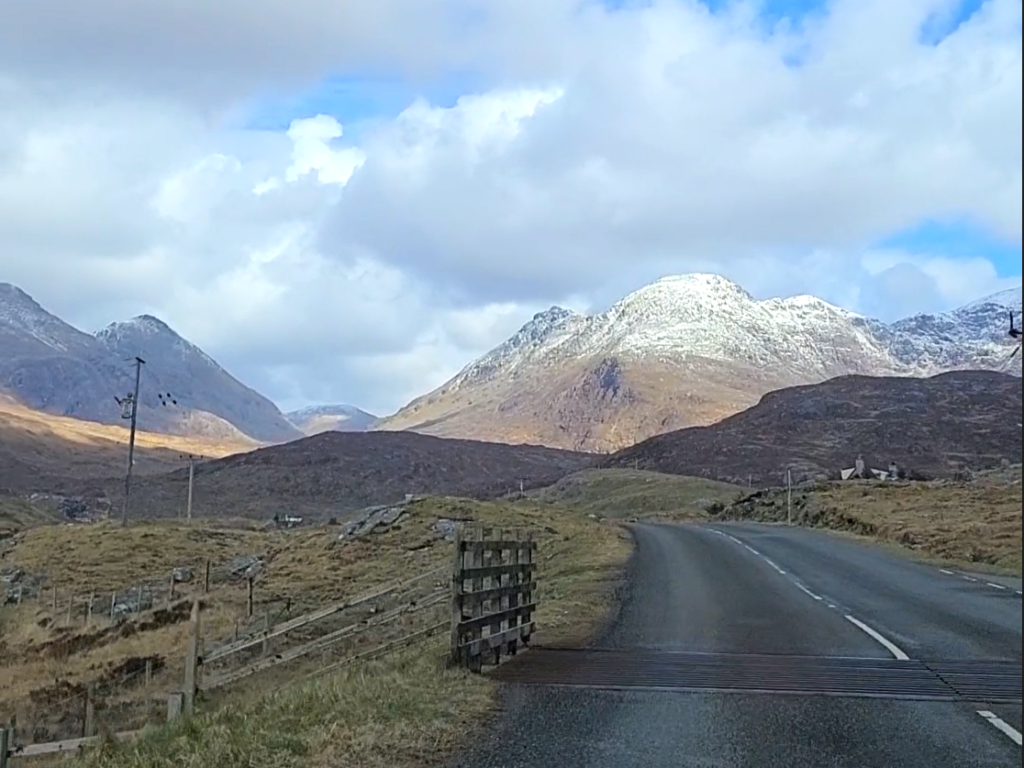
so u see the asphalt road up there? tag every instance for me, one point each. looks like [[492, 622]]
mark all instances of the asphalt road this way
[[755, 589]]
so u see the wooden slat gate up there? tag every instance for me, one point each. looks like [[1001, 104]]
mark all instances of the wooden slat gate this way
[[493, 591]]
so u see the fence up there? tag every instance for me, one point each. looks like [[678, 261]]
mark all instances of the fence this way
[[493, 614], [487, 606]]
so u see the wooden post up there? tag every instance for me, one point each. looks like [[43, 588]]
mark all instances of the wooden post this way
[[192, 660], [170, 589], [113, 604], [71, 607], [53, 605], [149, 672], [266, 628], [138, 601], [191, 479], [89, 721], [206, 582], [5, 746], [457, 589], [149, 682], [175, 704], [248, 598], [20, 590], [88, 610]]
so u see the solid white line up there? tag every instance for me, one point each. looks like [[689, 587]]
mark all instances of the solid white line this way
[[751, 549], [1002, 725], [808, 592], [889, 645], [948, 573]]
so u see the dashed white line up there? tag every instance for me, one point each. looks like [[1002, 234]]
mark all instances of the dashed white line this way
[[775, 566], [890, 646], [996, 586], [808, 592], [948, 573], [1001, 725], [969, 578]]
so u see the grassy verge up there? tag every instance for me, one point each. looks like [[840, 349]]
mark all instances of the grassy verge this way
[[974, 524], [402, 710], [624, 493]]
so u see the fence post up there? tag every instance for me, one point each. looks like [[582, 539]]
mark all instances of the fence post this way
[[266, 628], [88, 610], [5, 746], [71, 608], [113, 604], [457, 587], [138, 601], [89, 721], [53, 605], [192, 660], [248, 599], [206, 581], [170, 590], [175, 703]]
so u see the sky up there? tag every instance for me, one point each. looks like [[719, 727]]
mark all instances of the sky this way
[[345, 201]]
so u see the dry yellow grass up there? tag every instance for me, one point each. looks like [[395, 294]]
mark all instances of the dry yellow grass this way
[[974, 524], [403, 710]]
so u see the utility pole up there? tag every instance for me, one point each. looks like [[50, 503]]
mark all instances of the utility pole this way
[[789, 497], [191, 479], [139, 362]]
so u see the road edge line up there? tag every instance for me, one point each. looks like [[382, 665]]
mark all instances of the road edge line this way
[[890, 646], [1001, 725]]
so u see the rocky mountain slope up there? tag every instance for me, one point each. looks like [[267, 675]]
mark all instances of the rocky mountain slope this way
[[685, 351], [53, 367], [334, 473], [332, 418], [928, 426]]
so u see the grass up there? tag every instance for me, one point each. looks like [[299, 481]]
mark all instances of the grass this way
[[624, 493], [975, 524], [401, 710]]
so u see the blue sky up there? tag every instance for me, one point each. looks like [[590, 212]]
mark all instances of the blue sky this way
[[356, 100]]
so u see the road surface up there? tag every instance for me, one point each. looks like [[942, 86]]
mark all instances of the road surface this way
[[753, 589]]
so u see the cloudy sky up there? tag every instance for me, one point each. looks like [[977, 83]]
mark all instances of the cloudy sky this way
[[345, 201]]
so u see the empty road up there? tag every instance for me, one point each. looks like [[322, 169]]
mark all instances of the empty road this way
[[737, 607]]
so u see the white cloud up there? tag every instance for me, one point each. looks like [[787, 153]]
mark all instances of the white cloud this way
[[604, 150]]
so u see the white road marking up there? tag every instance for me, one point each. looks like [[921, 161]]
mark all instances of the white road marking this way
[[752, 550], [888, 644], [1002, 725], [993, 584], [948, 573], [969, 578], [773, 565], [808, 592]]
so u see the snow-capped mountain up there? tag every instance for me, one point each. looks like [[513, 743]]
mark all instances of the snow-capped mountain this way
[[688, 350], [332, 418], [52, 366]]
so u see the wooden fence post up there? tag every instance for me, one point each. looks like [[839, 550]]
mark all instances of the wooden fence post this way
[[88, 610], [266, 628], [175, 704], [138, 601], [89, 720], [206, 581], [53, 605], [457, 588], [192, 660], [5, 746], [248, 599], [170, 589], [71, 608], [113, 604]]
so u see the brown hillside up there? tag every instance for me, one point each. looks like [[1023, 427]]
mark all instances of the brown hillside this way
[[47, 453], [927, 426], [334, 473]]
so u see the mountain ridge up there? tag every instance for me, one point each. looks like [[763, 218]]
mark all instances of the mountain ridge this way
[[683, 351]]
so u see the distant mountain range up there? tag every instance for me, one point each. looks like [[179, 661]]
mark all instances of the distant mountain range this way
[[684, 351], [332, 418], [687, 351]]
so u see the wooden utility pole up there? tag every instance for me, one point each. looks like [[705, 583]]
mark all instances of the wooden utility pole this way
[[191, 479], [139, 362], [789, 497]]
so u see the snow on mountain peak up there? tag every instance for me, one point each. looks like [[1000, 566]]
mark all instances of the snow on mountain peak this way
[[1010, 298]]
